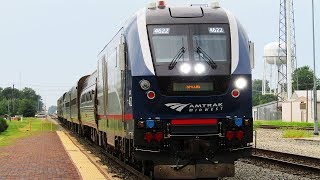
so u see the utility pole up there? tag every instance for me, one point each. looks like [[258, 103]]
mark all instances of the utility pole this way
[[13, 99], [38, 105], [39, 102], [8, 107], [307, 115], [316, 128]]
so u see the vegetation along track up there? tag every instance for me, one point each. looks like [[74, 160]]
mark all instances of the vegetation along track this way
[[106, 158], [283, 127], [291, 163]]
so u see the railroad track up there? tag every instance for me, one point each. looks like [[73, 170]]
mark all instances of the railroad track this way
[[284, 127], [126, 166], [300, 163], [97, 149]]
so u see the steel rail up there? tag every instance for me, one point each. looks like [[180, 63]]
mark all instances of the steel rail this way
[[301, 162], [124, 165]]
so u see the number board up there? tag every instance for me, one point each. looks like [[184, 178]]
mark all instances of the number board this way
[[161, 30], [216, 30]]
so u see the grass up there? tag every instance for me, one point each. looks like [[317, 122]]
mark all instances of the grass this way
[[281, 123], [28, 127], [291, 133]]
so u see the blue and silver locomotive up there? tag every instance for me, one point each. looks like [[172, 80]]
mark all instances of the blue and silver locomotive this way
[[171, 94]]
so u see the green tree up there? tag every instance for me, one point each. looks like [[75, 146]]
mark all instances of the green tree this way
[[28, 93], [3, 125], [257, 97], [256, 87], [303, 79], [1, 96], [268, 98], [3, 107], [8, 93], [23, 102], [27, 108], [263, 99]]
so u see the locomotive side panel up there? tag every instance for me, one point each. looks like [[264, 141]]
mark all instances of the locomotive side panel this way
[[111, 121]]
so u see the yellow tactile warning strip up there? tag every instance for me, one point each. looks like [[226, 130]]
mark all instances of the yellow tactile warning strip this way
[[85, 167]]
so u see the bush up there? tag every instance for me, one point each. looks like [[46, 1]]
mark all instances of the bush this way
[[292, 133], [3, 125]]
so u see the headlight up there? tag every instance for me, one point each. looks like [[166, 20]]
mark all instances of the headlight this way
[[185, 68], [241, 83], [199, 68], [145, 84]]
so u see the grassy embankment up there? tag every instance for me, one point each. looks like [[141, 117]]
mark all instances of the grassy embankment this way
[[26, 128], [290, 129], [281, 124]]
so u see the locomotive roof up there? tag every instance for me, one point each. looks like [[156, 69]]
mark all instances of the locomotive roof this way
[[187, 14]]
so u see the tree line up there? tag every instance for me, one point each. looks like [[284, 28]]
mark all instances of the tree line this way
[[19, 102]]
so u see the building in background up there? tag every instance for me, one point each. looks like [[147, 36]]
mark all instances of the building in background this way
[[300, 107]]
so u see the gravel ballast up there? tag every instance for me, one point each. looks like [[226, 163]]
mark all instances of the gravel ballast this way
[[245, 171], [272, 139]]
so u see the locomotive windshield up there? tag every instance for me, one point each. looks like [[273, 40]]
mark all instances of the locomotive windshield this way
[[212, 40], [172, 45], [168, 42]]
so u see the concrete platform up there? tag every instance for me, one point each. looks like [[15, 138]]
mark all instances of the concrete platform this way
[[85, 166]]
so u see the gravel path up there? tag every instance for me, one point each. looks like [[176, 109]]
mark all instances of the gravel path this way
[[246, 171], [271, 139]]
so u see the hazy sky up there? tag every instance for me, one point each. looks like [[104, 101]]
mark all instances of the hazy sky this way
[[49, 44]]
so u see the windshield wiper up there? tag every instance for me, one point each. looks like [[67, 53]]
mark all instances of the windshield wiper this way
[[176, 58], [206, 57]]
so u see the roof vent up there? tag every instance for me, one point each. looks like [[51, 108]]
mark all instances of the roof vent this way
[[215, 4], [186, 12], [201, 5]]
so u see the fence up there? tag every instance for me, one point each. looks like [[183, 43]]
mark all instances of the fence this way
[[267, 111]]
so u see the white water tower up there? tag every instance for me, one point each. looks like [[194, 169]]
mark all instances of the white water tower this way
[[274, 58]]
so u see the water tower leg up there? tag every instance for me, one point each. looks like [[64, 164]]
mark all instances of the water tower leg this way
[[264, 79]]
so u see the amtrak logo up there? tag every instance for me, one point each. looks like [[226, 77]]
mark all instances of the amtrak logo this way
[[177, 106], [214, 107]]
